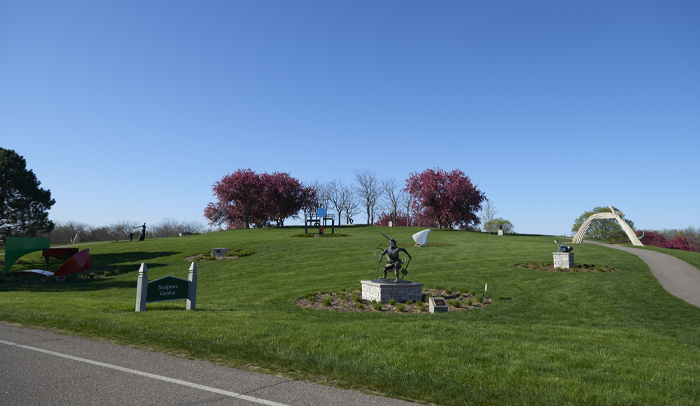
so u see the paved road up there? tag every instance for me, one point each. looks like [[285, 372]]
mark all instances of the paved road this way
[[678, 277], [42, 368]]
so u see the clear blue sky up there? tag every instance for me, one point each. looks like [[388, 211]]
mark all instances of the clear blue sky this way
[[131, 110]]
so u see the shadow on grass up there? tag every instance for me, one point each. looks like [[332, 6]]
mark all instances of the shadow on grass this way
[[77, 285], [130, 257]]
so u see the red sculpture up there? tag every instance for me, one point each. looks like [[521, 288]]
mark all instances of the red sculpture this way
[[79, 262]]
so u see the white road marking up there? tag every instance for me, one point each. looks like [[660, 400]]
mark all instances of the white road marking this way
[[147, 375]]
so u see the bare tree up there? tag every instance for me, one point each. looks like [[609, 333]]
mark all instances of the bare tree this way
[[198, 227], [122, 229], [488, 212], [323, 193], [333, 191], [393, 197], [406, 202], [348, 202], [369, 191], [166, 228]]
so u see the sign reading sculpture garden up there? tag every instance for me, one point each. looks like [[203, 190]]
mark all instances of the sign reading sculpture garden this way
[[166, 289]]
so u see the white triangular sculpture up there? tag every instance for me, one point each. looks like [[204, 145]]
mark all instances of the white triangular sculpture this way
[[421, 237]]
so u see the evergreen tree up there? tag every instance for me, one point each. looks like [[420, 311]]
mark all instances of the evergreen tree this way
[[24, 205]]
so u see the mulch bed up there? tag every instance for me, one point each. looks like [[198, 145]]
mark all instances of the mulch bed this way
[[201, 257], [548, 267], [348, 305]]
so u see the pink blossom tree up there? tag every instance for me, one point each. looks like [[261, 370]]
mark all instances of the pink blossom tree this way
[[445, 200], [238, 200], [285, 196], [245, 197]]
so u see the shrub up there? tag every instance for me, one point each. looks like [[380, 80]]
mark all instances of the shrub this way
[[399, 307], [471, 292], [448, 291], [327, 300], [456, 304], [359, 306], [469, 302], [409, 302], [680, 243], [377, 305], [392, 301], [479, 298], [356, 299], [421, 307]]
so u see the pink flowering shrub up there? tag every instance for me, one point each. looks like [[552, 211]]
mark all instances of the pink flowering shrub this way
[[651, 237], [655, 239], [384, 218], [681, 243]]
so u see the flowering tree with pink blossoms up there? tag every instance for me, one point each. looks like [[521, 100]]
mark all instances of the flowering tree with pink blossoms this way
[[444, 199], [245, 198]]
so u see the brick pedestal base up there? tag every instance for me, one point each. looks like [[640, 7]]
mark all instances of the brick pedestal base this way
[[385, 289]]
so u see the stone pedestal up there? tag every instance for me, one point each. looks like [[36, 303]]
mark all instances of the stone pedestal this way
[[218, 252], [564, 260], [384, 289], [437, 305], [500, 232]]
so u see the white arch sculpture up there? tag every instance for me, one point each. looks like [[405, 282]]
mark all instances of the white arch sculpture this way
[[617, 215]]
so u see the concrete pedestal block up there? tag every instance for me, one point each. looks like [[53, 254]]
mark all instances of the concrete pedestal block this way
[[564, 260], [384, 289], [218, 252], [500, 232], [437, 305]]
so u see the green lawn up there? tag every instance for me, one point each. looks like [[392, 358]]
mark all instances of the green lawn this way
[[548, 338]]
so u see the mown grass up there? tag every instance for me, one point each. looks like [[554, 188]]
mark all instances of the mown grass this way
[[548, 338]]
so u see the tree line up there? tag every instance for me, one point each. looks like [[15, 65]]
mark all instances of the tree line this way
[[432, 198], [70, 231]]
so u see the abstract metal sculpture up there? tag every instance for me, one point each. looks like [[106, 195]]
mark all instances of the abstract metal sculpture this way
[[74, 261], [16, 247], [617, 215], [421, 237], [79, 262]]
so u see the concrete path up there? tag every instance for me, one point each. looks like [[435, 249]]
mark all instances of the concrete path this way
[[43, 368], [678, 277]]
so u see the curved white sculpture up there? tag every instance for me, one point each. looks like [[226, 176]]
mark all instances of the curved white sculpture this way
[[421, 237], [617, 215]]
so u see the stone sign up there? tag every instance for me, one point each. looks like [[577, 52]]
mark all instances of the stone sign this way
[[166, 288]]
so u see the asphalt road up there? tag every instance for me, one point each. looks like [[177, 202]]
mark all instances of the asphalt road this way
[[42, 368], [678, 277]]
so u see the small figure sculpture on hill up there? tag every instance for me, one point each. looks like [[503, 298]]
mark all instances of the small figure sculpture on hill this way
[[142, 237], [563, 248], [395, 262]]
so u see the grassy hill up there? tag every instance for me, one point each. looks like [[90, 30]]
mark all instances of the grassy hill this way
[[548, 338]]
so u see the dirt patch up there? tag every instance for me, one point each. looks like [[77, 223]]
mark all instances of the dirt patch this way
[[344, 302], [549, 267]]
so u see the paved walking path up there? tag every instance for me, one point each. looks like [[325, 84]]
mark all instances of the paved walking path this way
[[678, 277], [42, 368]]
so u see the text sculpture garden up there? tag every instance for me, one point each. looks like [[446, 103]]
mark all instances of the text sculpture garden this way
[[166, 289]]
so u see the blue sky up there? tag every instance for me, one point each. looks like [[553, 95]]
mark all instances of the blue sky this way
[[131, 110]]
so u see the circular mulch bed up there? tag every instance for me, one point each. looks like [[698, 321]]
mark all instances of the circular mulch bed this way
[[549, 267], [348, 304], [202, 257]]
